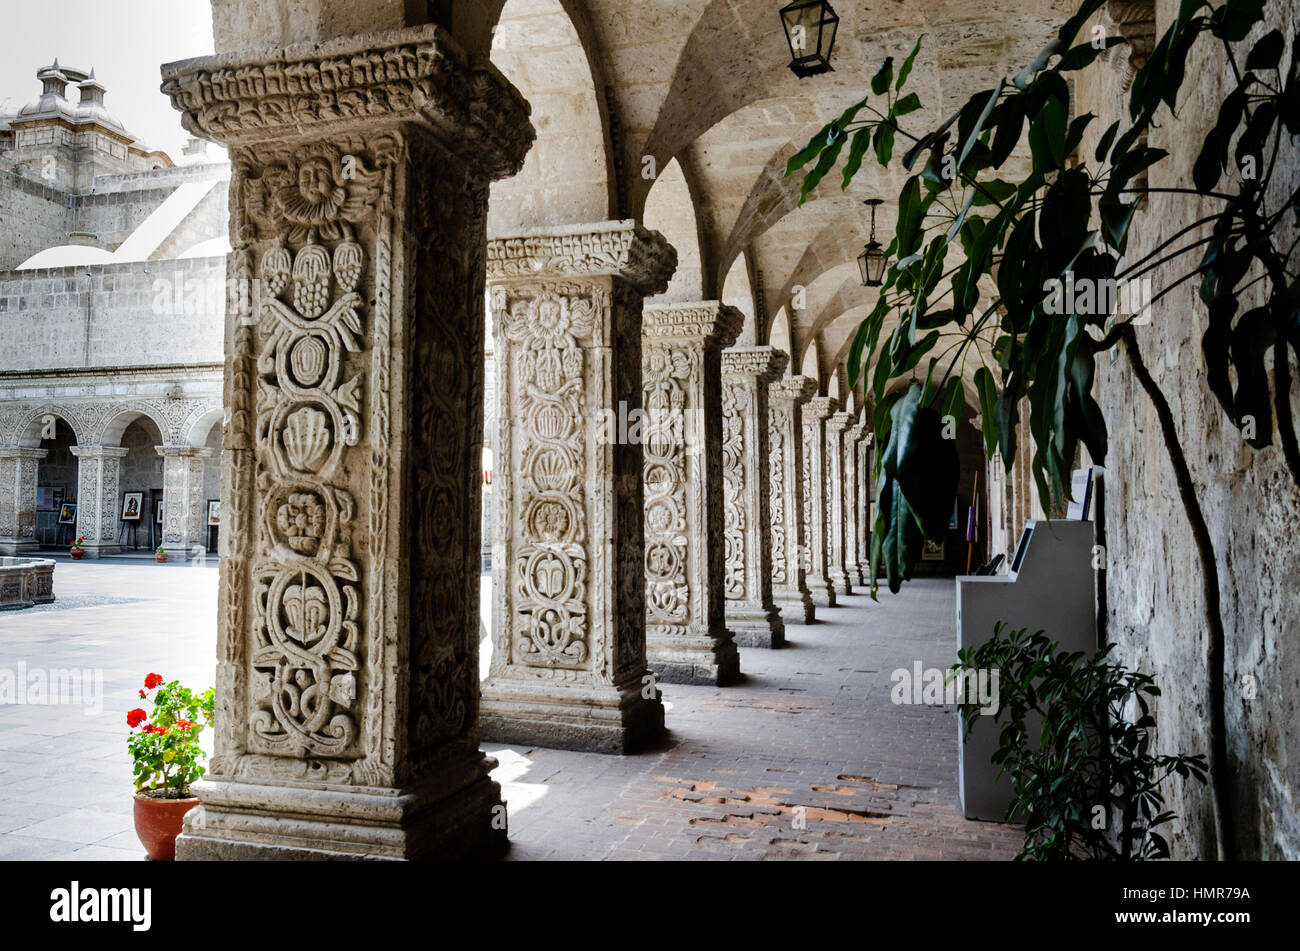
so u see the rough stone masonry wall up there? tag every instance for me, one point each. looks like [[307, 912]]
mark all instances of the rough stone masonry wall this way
[[113, 315], [33, 216], [1156, 608]]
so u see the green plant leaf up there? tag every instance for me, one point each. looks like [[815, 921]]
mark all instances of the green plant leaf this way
[[906, 69], [884, 76]]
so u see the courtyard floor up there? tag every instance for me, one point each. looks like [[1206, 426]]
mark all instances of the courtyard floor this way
[[807, 758]]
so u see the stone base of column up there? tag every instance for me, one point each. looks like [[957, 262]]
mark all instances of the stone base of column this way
[[841, 581], [755, 627], [253, 822], [99, 551], [12, 547], [584, 717], [689, 659], [797, 609], [864, 574], [822, 592]]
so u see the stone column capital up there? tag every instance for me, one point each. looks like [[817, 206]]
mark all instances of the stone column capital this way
[[820, 407], [855, 432], [763, 364], [707, 322], [184, 451], [99, 452], [620, 249], [838, 422], [797, 389], [311, 91], [22, 452]]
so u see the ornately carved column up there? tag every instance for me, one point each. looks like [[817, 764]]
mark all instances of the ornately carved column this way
[[852, 532], [18, 498], [786, 399], [347, 681], [184, 515], [816, 531], [687, 639], [751, 614], [837, 529], [97, 498], [861, 493], [569, 651]]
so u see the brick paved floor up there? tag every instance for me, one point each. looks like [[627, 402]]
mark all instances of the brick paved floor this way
[[807, 758]]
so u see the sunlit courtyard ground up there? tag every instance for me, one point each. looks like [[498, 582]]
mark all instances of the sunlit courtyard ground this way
[[806, 758]]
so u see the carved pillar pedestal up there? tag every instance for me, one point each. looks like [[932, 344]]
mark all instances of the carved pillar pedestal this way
[[751, 614], [18, 498], [184, 511], [837, 561], [97, 498], [786, 399], [815, 497], [348, 611], [687, 639], [568, 634]]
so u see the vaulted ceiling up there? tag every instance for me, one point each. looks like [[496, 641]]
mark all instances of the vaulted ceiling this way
[[682, 113]]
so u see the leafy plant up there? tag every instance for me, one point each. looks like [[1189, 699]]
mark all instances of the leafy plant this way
[[1019, 236], [165, 752], [76, 546], [1085, 781]]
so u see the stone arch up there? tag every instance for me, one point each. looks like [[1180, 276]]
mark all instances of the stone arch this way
[[738, 291], [670, 210], [780, 334], [201, 422], [566, 178], [810, 363], [123, 415], [29, 432]]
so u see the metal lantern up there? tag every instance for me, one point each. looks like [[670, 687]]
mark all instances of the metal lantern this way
[[871, 262], [810, 27]]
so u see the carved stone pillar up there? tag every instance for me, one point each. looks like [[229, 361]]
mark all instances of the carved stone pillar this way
[[816, 531], [852, 435], [18, 498], [751, 614], [786, 399], [97, 498], [568, 635], [184, 512], [837, 528], [348, 611], [862, 506], [687, 639]]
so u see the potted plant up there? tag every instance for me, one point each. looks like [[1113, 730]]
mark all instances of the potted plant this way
[[76, 551], [160, 555], [167, 759]]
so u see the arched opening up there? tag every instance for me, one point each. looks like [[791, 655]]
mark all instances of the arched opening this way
[[56, 485], [140, 486], [670, 210]]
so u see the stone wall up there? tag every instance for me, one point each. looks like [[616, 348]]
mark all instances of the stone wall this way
[[113, 315], [1156, 607], [42, 212]]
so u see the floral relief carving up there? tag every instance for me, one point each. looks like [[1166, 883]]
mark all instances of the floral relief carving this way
[[551, 562], [734, 399], [668, 374]]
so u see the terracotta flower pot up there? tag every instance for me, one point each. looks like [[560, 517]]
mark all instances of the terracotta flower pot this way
[[160, 557], [158, 823], [77, 553]]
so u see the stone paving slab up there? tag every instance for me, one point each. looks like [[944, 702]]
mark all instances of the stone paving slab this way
[[806, 759]]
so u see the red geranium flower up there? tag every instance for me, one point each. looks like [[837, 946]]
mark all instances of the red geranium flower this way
[[184, 726], [136, 717], [152, 681], [142, 693]]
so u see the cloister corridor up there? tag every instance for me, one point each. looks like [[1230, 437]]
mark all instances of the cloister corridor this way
[[806, 758]]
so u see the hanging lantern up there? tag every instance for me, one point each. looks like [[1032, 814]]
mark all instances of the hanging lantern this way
[[871, 262], [810, 27]]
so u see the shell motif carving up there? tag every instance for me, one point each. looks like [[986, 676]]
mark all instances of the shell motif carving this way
[[666, 376], [549, 617]]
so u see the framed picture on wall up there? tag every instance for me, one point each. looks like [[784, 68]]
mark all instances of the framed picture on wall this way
[[131, 503], [68, 513], [933, 551], [214, 511], [157, 511]]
